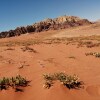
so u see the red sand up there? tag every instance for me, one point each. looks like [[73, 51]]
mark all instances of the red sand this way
[[48, 59]]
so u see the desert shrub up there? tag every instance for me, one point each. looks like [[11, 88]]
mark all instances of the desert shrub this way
[[60, 76], [14, 82], [96, 54], [18, 81], [48, 80], [4, 83], [48, 77], [88, 44], [48, 84], [72, 82], [67, 80], [29, 49]]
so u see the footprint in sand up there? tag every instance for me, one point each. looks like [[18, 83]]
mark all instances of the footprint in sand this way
[[93, 90]]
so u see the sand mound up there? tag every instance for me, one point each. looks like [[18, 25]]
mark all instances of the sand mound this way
[[31, 59]]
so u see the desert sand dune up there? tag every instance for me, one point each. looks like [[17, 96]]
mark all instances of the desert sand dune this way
[[35, 59]]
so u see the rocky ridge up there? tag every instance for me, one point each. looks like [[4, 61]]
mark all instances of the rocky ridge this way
[[61, 22]]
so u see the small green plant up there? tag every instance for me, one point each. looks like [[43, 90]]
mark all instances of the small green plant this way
[[72, 82], [48, 80], [14, 82], [67, 80], [4, 83]]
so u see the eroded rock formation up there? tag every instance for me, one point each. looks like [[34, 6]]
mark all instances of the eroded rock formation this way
[[62, 22]]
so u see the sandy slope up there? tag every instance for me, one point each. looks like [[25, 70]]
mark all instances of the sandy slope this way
[[49, 58], [87, 30]]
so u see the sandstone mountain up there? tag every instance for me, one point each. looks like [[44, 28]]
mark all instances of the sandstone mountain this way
[[61, 22]]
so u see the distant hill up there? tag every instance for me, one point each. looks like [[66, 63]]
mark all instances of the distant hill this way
[[98, 21], [62, 22]]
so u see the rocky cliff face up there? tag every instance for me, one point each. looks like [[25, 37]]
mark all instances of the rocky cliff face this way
[[62, 22]]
